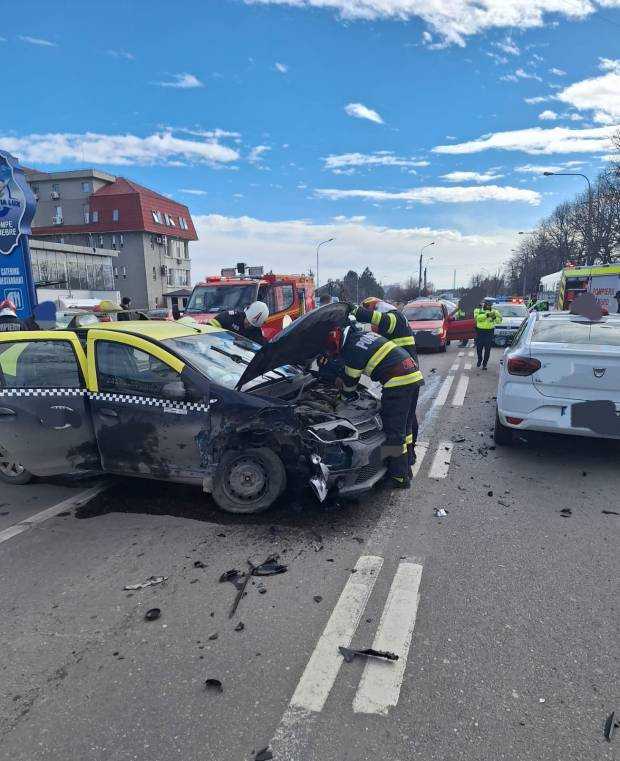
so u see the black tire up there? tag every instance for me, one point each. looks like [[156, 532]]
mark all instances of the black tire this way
[[501, 433], [248, 481], [442, 349], [448, 343], [11, 472]]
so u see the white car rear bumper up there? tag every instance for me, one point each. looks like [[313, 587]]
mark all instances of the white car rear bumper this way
[[549, 416]]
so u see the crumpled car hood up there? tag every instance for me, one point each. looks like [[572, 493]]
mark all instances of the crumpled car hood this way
[[303, 340]]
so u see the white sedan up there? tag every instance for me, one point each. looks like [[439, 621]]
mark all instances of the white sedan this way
[[561, 375]]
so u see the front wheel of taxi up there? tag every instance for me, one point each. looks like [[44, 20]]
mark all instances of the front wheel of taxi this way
[[12, 472], [248, 481]]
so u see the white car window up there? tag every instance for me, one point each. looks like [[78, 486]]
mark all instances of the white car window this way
[[577, 332]]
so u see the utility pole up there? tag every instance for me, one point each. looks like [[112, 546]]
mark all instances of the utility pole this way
[[425, 280], [322, 243], [454, 281], [589, 232], [420, 267]]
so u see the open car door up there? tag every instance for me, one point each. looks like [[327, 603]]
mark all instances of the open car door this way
[[45, 423], [460, 329]]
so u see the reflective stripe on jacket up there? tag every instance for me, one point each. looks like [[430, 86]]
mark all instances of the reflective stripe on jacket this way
[[373, 355], [392, 325], [487, 319]]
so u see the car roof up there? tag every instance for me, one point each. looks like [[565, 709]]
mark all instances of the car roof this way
[[569, 316], [159, 330], [424, 302]]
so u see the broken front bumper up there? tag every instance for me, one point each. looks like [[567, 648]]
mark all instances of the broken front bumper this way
[[349, 466]]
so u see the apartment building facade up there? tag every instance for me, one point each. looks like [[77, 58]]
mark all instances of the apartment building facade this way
[[149, 232]]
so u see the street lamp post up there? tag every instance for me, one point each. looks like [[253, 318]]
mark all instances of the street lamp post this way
[[322, 243], [590, 241], [420, 269]]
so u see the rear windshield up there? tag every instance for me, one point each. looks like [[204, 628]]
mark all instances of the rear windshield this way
[[512, 310], [421, 314], [576, 332]]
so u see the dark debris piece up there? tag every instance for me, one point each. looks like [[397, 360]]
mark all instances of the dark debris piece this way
[[349, 654], [229, 575], [608, 729], [199, 564], [610, 512], [240, 627], [152, 615], [213, 685], [214, 636], [317, 598], [270, 567], [264, 755], [566, 512]]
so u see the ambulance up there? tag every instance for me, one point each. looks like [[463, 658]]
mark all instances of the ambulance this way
[[602, 281]]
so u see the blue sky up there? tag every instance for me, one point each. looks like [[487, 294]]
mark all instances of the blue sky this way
[[382, 123]]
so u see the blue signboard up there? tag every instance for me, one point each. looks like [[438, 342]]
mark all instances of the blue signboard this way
[[17, 208]]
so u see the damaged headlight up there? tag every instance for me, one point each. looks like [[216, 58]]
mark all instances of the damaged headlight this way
[[334, 431]]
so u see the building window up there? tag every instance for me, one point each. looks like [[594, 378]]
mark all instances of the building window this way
[[95, 216], [86, 215], [121, 240], [57, 218], [114, 215], [62, 240], [114, 240], [183, 223], [157, 217], [55, 187], [169, 221], [87, 187], [101, 241]]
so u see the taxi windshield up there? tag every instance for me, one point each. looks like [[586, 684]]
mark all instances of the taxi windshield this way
[[223, 357], [214, 298]]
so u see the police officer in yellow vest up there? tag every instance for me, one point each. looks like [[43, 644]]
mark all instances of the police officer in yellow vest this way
[[486, 319], [392, 324]]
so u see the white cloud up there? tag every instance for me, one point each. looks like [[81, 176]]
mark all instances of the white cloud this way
[[429, 195], [471, 176], [193, 191], [600, 95], [508, 46], [360, 111], [281, 67], [548, 116], [3, 39], [540, 169], [118, 150], [183, 81], [537, 140], [344, 161], [38, 41], [121, 54], [386, 250], [256, 154], [520, 74], [457, 20], [537, 99], [557, 72]]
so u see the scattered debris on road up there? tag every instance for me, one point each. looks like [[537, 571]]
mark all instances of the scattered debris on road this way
[[610, 725], [610, 512], [240, 627], [213, 685], [270, 567], [199, 564], [264, 755], [542, 700], [439, 512], [349, 654], [151, 581], [566, 512], [214, 636], [317, 598], [152, 614]]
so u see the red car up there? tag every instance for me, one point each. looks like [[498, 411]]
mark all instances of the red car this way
[[433, 325]]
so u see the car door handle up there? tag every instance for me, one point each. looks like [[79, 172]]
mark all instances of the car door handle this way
[[6, 412], [105, 412]]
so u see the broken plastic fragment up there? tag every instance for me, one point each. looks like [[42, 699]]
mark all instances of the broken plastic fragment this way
[[565, 512], [269, 568], [152, 615], [213, 685], [439, 512], [148, 583], [350, 654], [229, 575], [240, 627], [264, 755], [199, 564], [317, 598], [608, 730]]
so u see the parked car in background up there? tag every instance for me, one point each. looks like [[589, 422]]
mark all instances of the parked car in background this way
[[513, 315], [159, 314], [561, 375], [433, 325]]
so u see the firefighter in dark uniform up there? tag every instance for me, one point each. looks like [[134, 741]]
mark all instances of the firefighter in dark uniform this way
[[246, 323], [392, 324], [9, 321], [367, 353]]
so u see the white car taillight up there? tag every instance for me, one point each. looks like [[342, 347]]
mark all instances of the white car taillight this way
[[523, 366]]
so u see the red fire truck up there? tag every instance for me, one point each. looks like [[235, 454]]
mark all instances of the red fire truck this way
[[287, 296]]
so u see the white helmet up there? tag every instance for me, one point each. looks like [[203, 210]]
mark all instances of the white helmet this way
[[257, 313]]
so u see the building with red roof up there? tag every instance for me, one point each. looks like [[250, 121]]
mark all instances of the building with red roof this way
[[150, 231]]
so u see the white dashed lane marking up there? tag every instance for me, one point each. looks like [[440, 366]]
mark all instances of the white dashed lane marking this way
[[461, 390], [421, 448], [455, 366], [470, 354], [441, 397], [461, 354], [467, 366], [381, 682], [320, 674], [441, 461]]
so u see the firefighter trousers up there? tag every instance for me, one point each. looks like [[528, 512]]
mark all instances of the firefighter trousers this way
[[412, 426], [398, 419]]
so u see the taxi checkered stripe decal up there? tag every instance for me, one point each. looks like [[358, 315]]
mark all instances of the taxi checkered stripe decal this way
[[145, 401], [12, 392], [148, 401]]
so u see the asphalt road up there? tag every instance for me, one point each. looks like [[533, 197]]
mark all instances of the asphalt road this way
[[503, 612]]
